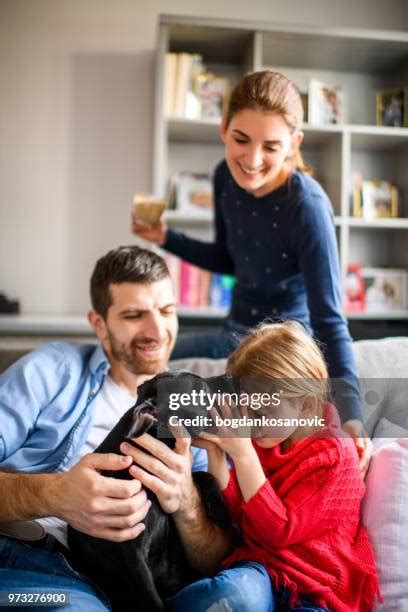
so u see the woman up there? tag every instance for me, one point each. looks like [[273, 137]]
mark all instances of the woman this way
[[274, 232]]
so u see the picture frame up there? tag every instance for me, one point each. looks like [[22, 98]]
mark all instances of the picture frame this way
[[392, 107], [379, 200], [385, 289], [326, 103], [192, 194], [213, 94]]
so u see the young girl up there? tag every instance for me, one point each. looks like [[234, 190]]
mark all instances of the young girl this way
[[274, 232], [295, 492]]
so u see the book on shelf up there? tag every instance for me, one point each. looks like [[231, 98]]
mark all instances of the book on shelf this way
[[170, 77], [199, 289], [191, 193], [326, 103], [374, 199]]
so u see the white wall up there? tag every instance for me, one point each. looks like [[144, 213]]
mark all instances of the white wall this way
[[76, 121]]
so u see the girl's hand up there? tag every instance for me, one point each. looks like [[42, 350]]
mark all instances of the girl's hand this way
[[154, 233], [234, 441]]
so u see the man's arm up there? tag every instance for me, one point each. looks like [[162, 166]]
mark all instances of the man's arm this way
[[100, 506], [24, 496], [196, 531], [168, 474]]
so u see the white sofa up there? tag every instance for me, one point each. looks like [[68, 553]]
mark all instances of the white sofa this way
[[383, 371]]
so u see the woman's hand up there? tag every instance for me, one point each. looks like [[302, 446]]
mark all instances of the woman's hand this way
[[154, 233], [362, 442]]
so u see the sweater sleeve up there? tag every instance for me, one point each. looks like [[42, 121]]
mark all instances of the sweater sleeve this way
[[212, 256], [312, 506], [316, 246]]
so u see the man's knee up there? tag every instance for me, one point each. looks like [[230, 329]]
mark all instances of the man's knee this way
[[244, 589]]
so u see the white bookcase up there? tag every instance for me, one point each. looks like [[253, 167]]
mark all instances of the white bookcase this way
[[361, 61]]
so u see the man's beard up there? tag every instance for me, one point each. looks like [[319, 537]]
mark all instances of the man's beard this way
[[133, 361]]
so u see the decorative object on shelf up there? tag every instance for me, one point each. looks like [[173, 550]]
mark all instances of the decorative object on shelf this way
[[379, 200], [213, 92], [374, 199], [8, 306], [392, 107], [326, 103], [354, 290], [147, 208], [222, 286], [385, 289], [191, 193]]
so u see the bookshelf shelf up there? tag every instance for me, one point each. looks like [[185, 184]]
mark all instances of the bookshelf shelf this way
[[362, 62], [197, 313], [193, 130], [386, 224], [378, 316]]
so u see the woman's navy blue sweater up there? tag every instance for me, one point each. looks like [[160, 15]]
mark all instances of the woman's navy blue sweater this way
[[282, 250]]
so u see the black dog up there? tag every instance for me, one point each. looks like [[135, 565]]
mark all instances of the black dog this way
[[138, 574]]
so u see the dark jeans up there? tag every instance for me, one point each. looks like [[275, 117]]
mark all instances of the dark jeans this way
[[24, 569]]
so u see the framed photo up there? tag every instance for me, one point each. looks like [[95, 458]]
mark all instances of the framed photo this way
[[354, 290], [326, 103], [213, 93], [385, 289], [392, 107], [379, 200], [193, 194]]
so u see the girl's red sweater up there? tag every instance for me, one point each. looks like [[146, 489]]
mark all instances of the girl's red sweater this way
[[303, 524]]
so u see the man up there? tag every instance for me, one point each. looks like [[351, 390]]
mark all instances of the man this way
[[59, 402]]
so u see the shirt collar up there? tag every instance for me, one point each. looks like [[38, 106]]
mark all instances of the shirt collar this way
[[99, 363]]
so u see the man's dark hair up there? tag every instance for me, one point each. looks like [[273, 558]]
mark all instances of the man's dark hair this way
[[125, 264]]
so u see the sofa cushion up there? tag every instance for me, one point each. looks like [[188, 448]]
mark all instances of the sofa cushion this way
[[385, 516]]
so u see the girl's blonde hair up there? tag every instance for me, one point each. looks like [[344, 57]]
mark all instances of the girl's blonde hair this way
[[270, 92], [283, 356]]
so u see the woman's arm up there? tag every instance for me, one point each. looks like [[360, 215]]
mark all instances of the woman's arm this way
[[318, 260]]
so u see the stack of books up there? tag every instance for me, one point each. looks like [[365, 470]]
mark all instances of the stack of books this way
[[197, 288]]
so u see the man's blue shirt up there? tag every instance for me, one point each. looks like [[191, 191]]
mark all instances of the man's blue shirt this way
[[46, 407]]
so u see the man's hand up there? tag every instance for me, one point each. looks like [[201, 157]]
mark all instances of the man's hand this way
[[170, 471], [362, 442], [100, 506]]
